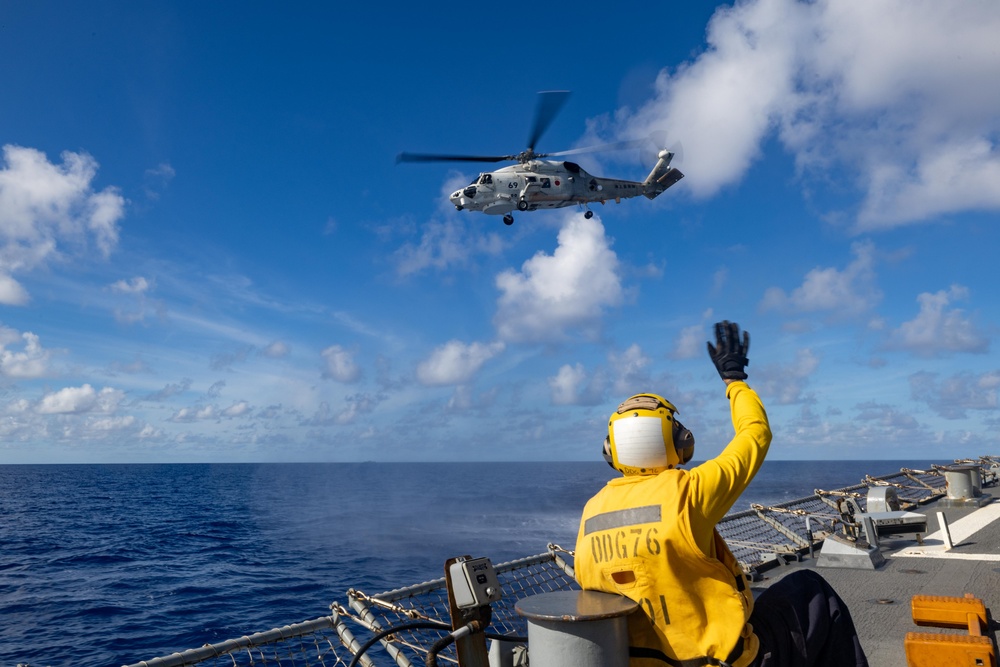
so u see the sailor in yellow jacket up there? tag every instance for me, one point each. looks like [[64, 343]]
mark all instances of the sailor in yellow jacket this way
[[650, 536]]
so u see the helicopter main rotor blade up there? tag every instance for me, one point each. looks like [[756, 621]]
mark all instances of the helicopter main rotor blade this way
[[433, 157], [616, 146], [549, 103]]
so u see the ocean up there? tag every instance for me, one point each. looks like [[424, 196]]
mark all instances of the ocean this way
[[107, 565]]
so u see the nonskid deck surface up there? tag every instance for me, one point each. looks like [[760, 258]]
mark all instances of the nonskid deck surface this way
[[879, 600], [770, 542]]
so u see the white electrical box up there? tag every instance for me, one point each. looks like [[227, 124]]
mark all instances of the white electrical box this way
[[474, 583]]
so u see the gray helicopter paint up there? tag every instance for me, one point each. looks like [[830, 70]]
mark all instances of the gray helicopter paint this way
[[546, 184]]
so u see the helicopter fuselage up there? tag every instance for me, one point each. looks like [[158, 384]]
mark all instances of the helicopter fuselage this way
[[544, 184]]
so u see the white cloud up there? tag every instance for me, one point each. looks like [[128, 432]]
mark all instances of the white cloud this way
[[78, 400], [572, 386], [565, 290], [135, 290], [456, 362], [11, 292], [690, 343], [357, 405], [170, 390], [899, 95], [885, 416], [785, 383], [111, 424], [45, 208], [937, 330], [848, 292], [275, 350], [446, 244], [195, 413], [157, 179], [629, 369], [340, 365], [238, 409], [952, 397], [31, 362], [136, 285]]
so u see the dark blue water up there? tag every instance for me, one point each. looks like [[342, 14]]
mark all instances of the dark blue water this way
[[111, 564]]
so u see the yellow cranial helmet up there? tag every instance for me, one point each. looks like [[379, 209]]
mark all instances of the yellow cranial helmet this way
[[645, 438]]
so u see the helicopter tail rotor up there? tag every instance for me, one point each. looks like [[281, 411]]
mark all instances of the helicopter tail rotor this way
[[657, 142]]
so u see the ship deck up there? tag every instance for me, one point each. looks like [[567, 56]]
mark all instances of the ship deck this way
[[771, 542], [879, 599]]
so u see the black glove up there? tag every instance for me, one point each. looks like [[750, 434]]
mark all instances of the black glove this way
[[728, 354]]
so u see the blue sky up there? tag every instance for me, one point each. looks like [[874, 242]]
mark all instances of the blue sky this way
[[208, 253]]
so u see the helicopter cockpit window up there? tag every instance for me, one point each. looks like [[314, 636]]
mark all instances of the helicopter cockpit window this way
[[486, 179], [546, 183]]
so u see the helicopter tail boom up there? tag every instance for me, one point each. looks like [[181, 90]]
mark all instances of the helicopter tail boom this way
[[662, 176]]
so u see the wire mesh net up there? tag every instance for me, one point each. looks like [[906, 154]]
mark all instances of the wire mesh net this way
[[314, 643], [764, 534], [518, 579], [756, 537]]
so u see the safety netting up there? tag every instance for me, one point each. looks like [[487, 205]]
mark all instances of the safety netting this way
[[758, 537]]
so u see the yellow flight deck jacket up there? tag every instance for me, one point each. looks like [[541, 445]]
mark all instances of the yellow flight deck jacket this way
[[652, 538]]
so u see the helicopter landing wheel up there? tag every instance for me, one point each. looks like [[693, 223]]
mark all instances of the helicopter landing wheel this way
[[588, 215], [508, 219], [522, 205]]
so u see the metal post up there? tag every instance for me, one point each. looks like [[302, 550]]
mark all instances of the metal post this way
[[577, 628]]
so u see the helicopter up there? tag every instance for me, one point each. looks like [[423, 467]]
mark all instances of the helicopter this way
[[535, 183]]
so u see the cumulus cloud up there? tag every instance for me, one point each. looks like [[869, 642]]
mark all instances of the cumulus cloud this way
[[237, 409], [953, 396], [32, 361], [938, 330], [78, 400], [47, 209], [851, 291], [690, 343], [628, 369], [358, 405], [135, 288], [625, 373], [786, 383], [340, 365], [898, 95], [568, 289], [573, 386], [444, 245], [195, 413], [456, 362]]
